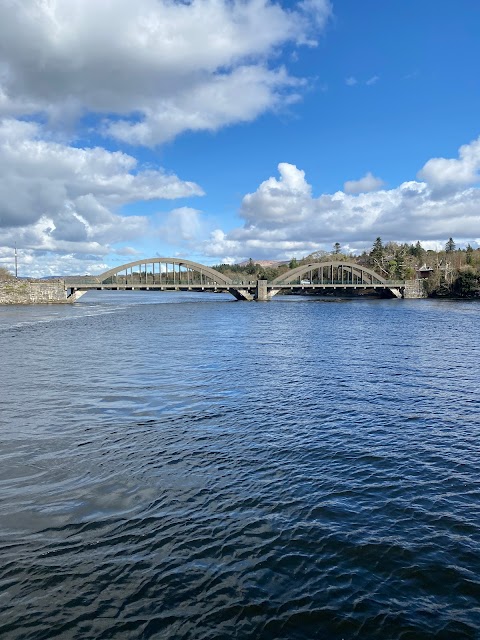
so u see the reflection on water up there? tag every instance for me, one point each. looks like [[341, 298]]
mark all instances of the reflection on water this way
[[180, 465]]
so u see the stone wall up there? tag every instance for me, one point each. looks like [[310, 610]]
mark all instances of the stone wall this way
[[26, 292], [415, 289]]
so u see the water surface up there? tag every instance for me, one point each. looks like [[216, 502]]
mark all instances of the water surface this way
[[178, 465]]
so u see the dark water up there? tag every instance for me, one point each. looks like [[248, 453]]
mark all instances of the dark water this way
[[187, 466]]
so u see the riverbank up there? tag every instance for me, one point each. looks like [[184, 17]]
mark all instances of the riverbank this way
[[33, 292]]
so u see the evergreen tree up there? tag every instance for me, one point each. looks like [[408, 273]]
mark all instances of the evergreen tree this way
[[418, 251], [293, 263], [469, 254], [251, 267], [336, 248], [400, 255], [377, 253], [466, 283], [450, 245]]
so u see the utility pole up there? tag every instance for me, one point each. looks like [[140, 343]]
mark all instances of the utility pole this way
[[16, 261]]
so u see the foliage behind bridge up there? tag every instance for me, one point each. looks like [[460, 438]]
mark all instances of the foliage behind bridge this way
[[451, 271]]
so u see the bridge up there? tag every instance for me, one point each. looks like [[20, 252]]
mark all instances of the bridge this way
[[176, 274]]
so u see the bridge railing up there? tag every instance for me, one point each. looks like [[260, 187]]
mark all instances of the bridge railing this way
[[92, 280], [79, 280], [340, 283]]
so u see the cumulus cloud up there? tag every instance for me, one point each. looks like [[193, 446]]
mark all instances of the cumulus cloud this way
[[368, 183], [372, 80], [280, 201], [162, 67], [282, 218], [351, 81], [238, 96], [184, 225], [452, 173], [39, 265], [59, 198]]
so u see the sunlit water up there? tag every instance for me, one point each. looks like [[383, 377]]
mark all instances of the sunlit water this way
[[188, 466]]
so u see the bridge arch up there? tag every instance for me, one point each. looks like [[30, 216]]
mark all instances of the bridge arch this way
[[334, 272], [173, 268]]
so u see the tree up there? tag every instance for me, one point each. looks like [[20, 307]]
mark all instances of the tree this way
[[377, 252], [397, 265], [418, 251], [5, 274], [466, 283], [336, 248], [268, 273], [251, 267], [469, 254], [293, 264], [450, 245], [437, 285]]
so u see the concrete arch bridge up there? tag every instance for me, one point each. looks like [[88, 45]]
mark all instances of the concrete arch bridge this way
[[176, 274]]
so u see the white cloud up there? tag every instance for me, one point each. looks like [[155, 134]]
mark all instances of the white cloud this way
[[280, 201], [283, 219], [126, 251], [142, 72], [238, 96], [58, 198], [183, 226], [32, 264], [452, 173], [368, 183], [163, 67], [351, 81]]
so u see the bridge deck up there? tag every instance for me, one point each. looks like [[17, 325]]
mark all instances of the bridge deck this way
[[222, 287]]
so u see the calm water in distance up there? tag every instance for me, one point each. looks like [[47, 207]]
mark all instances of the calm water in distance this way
[[185, 466]]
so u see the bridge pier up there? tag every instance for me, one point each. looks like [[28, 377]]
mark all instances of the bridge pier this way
[[261, 290], [261, 293]]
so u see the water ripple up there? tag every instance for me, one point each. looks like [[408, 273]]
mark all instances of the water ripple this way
[[225, 470]]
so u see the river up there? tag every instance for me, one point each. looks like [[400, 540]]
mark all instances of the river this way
[[185, 466]]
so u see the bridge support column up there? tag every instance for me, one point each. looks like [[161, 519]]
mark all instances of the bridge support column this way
[[272, 292], [261, 290], [395, 292], [74, 295], [241, 294]]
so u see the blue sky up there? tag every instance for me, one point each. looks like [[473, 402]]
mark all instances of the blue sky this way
[[222, 131]]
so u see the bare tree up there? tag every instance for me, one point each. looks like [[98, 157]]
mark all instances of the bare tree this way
[[5, 274]]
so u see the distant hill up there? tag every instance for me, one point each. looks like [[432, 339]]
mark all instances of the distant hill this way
[[262, 263]]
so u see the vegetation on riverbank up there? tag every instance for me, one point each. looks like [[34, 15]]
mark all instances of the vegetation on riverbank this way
[[5, 275], [450, 272]]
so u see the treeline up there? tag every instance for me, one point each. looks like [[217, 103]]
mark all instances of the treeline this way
[[254, 271], [450, 271]]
